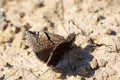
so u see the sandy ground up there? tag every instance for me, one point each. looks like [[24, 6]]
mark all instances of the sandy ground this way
[[97, 21]]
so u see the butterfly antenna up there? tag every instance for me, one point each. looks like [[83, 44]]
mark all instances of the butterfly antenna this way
[[71, 22], [77, 26], [69, 26]]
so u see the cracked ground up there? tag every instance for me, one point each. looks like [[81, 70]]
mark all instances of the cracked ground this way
[[96, 21]]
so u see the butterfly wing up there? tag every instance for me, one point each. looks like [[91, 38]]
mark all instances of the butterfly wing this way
[[43, 44], [44, 54], [59, 50]]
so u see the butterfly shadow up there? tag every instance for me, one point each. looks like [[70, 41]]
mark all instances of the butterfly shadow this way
[[75, 62]]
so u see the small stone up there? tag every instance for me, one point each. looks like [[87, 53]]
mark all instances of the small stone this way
[[39, 3], [110, 32], [2, 69], [8, 65], [6, 37], [15, 29], [22, 14], [2, 77], [94, 64], [25, 27], [28, 53], [101, 62], [2, 15], [3, 25], [100, 18], [20, 77], [25, 47]]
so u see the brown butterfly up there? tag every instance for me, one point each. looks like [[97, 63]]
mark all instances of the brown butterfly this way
[[49, 47]]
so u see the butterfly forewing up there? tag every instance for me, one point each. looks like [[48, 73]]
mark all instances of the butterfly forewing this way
[[60, 49]]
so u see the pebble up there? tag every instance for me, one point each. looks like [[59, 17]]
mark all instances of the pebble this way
[[101, 62], [15, 30], [6, 37], [3, 25], [94, 63]]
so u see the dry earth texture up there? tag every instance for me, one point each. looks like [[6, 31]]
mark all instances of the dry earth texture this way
[[97, 44]]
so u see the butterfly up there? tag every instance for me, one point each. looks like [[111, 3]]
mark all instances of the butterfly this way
[[49, 47]]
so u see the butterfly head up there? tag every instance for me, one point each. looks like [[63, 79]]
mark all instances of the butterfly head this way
[[71, 37]]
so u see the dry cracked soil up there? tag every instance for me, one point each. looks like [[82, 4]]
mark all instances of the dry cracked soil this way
[[96, 23]]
